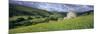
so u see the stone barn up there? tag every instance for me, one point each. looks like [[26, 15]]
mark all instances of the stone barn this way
[[71, 14]]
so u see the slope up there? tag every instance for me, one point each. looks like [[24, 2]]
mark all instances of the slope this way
[[82, 22]]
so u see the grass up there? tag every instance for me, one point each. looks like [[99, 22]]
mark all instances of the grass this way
[[82, 22]]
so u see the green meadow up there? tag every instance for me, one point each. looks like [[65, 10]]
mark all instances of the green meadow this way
[[82, 22]]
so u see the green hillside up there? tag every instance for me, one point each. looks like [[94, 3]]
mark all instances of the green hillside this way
[[26, 19], [82, 22], [19, 10], [19, 16]]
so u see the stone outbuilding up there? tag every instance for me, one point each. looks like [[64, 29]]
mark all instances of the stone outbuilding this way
[[71, 14]]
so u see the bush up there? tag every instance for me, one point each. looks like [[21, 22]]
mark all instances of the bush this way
[[53, 17], [26, 23], [30, 18], [38, 16], [20, 19], [15, 23]]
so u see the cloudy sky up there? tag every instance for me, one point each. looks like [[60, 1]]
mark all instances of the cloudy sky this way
[[55, 6]]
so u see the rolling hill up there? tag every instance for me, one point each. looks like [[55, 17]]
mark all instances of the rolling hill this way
[[23, 10], [26, 19], [19, 13]]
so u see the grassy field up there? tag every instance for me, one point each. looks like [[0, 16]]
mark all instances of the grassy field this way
[[82, 22]]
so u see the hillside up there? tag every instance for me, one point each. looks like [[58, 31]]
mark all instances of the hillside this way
[[82, 22], [23, 10], [24, 14], [26, 19]]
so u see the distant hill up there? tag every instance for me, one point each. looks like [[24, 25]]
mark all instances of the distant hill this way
[[18, 10], [85, 12]]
